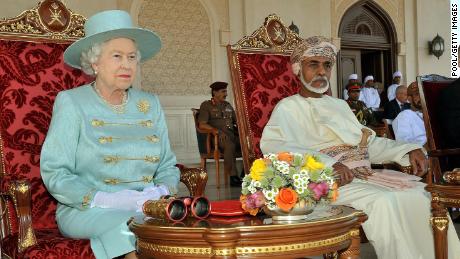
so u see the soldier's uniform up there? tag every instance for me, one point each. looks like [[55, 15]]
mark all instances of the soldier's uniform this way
[[359, 108], [362, 113], [222, 117]]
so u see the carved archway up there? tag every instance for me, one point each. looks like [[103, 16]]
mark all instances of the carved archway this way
[[367, 33]]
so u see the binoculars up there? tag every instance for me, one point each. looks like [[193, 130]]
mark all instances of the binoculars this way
[[176, 209]]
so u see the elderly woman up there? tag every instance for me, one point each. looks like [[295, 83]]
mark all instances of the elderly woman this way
[[107, 149]]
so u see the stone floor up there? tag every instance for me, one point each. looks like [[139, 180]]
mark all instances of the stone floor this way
[[227, 192]]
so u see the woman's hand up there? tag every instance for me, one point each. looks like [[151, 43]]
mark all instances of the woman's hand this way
[[122, 200], [418, 162], [343, 174]]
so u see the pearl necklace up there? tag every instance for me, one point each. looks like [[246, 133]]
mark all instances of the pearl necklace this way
[[117, 108]]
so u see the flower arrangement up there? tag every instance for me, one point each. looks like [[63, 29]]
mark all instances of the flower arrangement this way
[[281, 180]]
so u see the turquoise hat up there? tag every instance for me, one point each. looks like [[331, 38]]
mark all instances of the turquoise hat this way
[[108, 25]]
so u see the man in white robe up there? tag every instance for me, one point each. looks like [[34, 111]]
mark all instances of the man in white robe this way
[[369, 95], [408, 126], [398, 226], [391, 92]]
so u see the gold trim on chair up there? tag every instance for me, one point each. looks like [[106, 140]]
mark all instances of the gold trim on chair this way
[[272, 36], [48, 20]]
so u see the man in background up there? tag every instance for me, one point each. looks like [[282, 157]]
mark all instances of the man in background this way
[[218, 115], [362, 113], [391, 92], [352, 79], [408, 126], [398, 104], [369, 95]]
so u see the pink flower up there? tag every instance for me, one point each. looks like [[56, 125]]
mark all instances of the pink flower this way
[[319, 189], [255, 200]]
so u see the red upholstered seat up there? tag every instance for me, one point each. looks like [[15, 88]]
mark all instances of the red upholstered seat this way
[[31, 76], [265, 80], [50, 244]]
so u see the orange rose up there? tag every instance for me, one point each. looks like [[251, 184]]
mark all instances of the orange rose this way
[[286, 199], [335, 191], [285, 156]]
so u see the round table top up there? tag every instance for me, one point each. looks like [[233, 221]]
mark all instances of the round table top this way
[[327, 229], [321, 215]]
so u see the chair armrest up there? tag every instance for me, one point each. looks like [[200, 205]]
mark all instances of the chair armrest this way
[[444, 152], [206, 131], [195, 179], [20, 192], [452, 177]]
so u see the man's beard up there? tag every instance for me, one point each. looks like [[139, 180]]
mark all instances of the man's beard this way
[[321, 90]]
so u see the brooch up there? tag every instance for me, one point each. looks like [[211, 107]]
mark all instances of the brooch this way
[[143, 106]]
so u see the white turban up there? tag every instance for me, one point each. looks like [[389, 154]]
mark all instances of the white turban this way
[[397, 73], [367, 78], [316, 46], [353, 76]]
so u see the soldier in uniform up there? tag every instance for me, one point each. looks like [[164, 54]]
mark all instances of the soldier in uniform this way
[[218, 115], [363, 114]]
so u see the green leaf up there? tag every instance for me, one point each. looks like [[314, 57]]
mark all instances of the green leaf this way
[[315, 176], [277, 182]]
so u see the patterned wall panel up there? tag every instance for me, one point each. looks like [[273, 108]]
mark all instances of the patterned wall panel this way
[[183, 66]]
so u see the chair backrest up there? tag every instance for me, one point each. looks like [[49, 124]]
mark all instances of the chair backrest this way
[[261, 77], [430, 88], [32, 72], [201, 137]]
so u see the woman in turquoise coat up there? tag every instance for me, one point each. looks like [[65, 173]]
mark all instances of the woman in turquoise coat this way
[[107, 149]]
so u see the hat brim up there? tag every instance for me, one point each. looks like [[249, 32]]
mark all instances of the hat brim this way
[[148, 43]]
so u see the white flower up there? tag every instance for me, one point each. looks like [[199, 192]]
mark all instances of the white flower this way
[[256, 184], [305, 178], [296, 177], [300, 190], [252, 189], [270, 194], [271, 205], [304, 172], [297, 184], [281, 166], [270, 156]]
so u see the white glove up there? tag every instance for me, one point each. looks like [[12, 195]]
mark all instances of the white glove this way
[[151, 193], [161, 189], [123, 200]]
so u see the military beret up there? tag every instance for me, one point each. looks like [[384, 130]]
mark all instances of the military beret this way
[[354, 86], [216, 86]]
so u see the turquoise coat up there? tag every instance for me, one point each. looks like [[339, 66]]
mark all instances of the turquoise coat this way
[[89, 148]]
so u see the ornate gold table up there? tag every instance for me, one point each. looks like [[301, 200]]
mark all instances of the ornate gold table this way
[[329, 230]]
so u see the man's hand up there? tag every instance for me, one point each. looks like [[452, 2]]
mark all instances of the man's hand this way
[[343, 174], [418, 162]]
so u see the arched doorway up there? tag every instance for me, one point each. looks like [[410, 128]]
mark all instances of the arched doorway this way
[[368, 44]]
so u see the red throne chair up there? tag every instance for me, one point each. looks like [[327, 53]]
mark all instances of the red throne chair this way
[[32, 72], [261, 76], [443, 180]]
